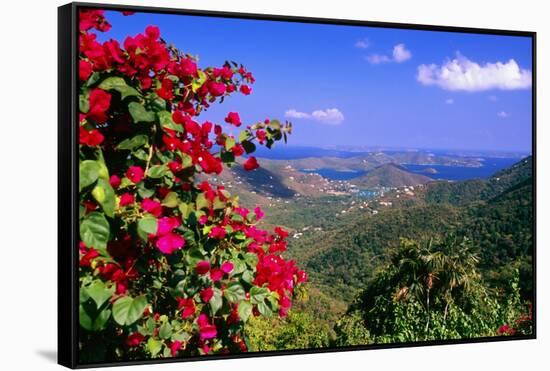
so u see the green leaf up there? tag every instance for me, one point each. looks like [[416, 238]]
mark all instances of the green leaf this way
[[143, 191], [83, 101], [88, 173], [99, 292], [185, 210], [202, 202], [156, 102], [234, 292], [118, 84], [140, 154], [104, 194], [133, 143], [146, 226], [186, 160], [229, 143], [248, 146], [216, 301], [264, 309], [171, 200], [95, 230], [157, 171], [154, 346], [244, 135], [94, 77], [91, 322], [258, 294], [244, 310], [275, 124], [103, 172], [165, 331], [218, 204], [227, 157], [166, 121], [194, 256], [197, 83], [248, 276], [139, 113], [128, 310]]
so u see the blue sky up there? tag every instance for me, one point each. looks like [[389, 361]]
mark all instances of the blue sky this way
[[364, 86]]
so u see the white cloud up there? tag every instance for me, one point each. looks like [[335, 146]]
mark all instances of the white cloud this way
[[464, 74], [292, 113], [329, 116], [449, 101], [362, 44], [400, 54], [503, 114]]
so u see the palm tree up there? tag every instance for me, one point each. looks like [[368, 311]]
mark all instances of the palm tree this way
[[435, 268]]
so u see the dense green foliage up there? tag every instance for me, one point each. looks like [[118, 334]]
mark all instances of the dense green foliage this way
[[432, 290], [478, 231]]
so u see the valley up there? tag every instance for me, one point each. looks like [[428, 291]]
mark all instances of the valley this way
[[343, 231]]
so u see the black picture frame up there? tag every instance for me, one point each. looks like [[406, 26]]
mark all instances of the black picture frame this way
[[68, 289]]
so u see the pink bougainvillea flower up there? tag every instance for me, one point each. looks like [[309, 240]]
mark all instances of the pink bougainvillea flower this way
[[225, 73], [170, 242], [216, 274], [134, 339], [166, 90], [251, 164], [259, 213], [281, 232], [126, 199], [302, 276], [84, 69], [217, 232], [174, 347], [207, 330], [187, 67], [237, 150], [227, 267], [135, 174], [151, 206], [152, 32], [216, 88], [188, 306], [90, 138], [86, 259], [114, 181], [284, 305], [245, 89], [206, 294], [233, 119], [93, 18], [261, 135], [99, 102], [165, 225], [202, 267], [203, 219]]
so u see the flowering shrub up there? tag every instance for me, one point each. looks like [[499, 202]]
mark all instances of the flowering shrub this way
[[170, 265], [523, 325]]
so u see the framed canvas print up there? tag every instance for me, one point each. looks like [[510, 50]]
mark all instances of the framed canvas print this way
[[237, 185]]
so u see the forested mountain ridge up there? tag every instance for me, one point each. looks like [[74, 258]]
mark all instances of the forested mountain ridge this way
[[495, 214], [349, 248]]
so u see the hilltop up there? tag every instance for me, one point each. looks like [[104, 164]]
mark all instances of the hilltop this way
[[390, 175]]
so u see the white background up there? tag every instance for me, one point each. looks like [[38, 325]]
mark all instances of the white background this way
[[28, 158]]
